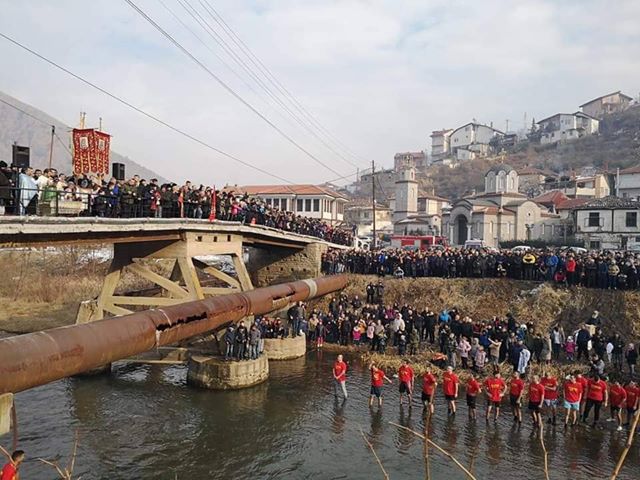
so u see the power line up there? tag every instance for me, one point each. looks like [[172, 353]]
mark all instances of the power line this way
[[227, 87], [210, 30], [266, 72], [142, 112], [63, 145]]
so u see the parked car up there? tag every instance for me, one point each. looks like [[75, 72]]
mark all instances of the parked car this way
[[577, 250], [521, 249]]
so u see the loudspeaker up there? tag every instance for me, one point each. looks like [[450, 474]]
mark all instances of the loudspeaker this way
[[20, 156], [117, 171]]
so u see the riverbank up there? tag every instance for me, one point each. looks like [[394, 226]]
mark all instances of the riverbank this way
[[541, 303]]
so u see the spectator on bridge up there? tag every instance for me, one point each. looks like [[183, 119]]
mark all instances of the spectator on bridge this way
[[241, 339], [229, 341]]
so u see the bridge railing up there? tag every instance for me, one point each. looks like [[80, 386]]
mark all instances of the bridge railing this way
[[50, 202]]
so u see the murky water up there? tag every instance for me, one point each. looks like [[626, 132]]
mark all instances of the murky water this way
[[143, 422]]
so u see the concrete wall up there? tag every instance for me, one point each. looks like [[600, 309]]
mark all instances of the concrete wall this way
[[278, 265], [285, 348], [217, 374]]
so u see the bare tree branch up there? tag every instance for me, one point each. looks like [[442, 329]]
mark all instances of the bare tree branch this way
[[384, 472]]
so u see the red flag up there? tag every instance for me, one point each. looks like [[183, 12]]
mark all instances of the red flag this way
[[212, 215]]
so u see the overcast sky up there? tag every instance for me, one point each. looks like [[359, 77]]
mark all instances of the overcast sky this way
[[379, 75]]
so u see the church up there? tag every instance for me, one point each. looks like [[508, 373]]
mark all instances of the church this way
[[499, 214]]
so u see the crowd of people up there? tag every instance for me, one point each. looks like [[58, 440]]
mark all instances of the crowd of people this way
[[47, 192], [601, 362], [593, 269]]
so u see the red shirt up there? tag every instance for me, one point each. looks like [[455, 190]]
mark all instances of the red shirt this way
[[536, 392], [495, 387], [596, 390], [632, 396], [428, 383], [405, 372], [473, 387], [584, 383], [516, 387], [550, 388], [449, 382], [340, 371], [570, 265], [618, 396], [572, 391], [8, 472], [377, 378]]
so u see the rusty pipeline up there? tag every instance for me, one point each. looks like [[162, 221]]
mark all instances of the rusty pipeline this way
[[34, 359]]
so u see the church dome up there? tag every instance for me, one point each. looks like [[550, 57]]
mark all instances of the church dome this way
[[501, 167]]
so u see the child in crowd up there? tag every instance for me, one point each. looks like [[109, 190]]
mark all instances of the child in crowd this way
[[570, 348]]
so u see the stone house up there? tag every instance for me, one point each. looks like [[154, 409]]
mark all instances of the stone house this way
[[606, 104], [608, 223]]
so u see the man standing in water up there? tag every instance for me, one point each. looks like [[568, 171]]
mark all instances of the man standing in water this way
[[10, 470], [450, 384], [495, 388], [618, 396], [536, 397], [550, 384], [473, 388], [340, 377], [573, 393], [516, 387], [377, 381], [597, 396], [406, 376], [429, 384]]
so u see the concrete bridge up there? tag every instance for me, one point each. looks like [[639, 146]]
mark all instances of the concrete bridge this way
[[274, 256]]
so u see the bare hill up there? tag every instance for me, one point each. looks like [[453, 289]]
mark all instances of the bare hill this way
[[17, 127]]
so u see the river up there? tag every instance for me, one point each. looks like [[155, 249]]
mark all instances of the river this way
[[144, 422]]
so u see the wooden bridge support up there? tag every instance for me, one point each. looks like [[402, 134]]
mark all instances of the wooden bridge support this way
[[182, 285]]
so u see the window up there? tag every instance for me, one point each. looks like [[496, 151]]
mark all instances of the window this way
[[307, 205], [366, 214], [593, 220], [283, 204], [632, 219], [316, 204], [299, 205], [637, 239], [268, 201], [594, 245], [276, 203]]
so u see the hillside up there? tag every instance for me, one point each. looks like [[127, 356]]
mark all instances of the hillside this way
[[616, 146], [17, 127]]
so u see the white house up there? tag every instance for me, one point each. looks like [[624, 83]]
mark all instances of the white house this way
[[629, 183], [472, 140], [608, 223], [440, 142], [606, 104], [567, 126], [361, 215], [312, 201]]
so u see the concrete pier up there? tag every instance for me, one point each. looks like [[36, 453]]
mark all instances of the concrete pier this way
[[217, 374], [285, 348]]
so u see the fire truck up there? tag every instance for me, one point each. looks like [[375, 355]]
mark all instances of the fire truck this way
[[417, 242]]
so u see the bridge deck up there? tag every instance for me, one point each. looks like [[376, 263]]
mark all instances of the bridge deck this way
[[42, 231]]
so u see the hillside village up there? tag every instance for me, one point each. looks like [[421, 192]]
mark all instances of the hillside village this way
[[571, 178]]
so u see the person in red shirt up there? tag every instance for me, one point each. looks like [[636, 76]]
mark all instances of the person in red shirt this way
[[516, 388], [340, 377], [573, 393], [583, 383], [406, 376], [550, 384], [618, 397], [10, 470], [473, 388], [536, 397], [450, 387], [597, 396], [377, 381], [495, 388], [633, 400], [429, 384]]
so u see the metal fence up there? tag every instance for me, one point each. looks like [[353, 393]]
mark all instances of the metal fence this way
[[55, 203]]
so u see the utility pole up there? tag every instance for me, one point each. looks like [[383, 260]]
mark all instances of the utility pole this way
[[53, 134], [373, 202]]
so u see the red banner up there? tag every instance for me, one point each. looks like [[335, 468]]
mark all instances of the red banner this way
[[90, 151]]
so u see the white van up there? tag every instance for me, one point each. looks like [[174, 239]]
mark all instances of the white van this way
[[474, 243]]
